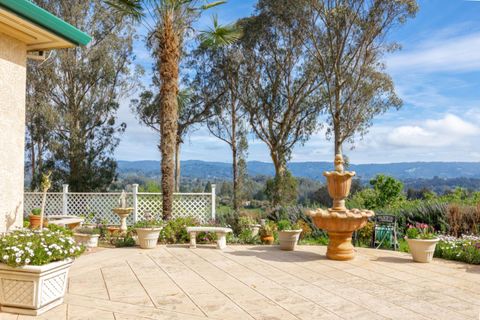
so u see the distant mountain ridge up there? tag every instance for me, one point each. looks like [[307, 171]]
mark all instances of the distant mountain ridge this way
[[313, 170]]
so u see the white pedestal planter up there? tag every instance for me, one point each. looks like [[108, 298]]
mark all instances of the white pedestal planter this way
[[148, 237], [422, 250], [32, 290], [88, 240], [288, 239]]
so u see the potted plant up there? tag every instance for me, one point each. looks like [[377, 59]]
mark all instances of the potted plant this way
[[267, 231], [288, 235], [34, 269], [87, 236], [148, 232], [422, 241], [35, 218]]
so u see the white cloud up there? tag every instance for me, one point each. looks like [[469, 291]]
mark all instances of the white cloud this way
[[433, 133], [449, 53]]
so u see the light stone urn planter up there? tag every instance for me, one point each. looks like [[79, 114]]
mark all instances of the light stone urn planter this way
[[32, 290], [88, 240], [422, 250], [148, 237], [288, 239]]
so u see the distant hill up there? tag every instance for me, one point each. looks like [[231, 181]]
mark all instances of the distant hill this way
[[312, 170]]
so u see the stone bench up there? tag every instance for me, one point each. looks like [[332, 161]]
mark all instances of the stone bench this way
[[221, 235]]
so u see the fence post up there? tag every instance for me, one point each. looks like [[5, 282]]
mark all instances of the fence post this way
[[213, 201], [65, 200], [135, 202]]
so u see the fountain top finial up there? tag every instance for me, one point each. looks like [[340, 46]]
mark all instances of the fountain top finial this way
[[123, 199], [339, 163]]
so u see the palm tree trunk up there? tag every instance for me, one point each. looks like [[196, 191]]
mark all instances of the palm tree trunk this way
[[177, 166], [169, 54], [234, 158]]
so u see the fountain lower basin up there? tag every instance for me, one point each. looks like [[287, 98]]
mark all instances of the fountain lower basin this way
[[340, 226]]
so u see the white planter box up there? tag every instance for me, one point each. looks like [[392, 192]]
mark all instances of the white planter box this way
[[32, 290], [88, 240]]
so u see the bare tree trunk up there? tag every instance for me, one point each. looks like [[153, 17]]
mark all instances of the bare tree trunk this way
[[234, 158], [177, 166], [32, 164], [169, 54]]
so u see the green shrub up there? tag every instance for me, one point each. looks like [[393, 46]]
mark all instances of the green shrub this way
[[36, 211], [420, 231], [284, 225], [85, 230], [57, 228], [148, 224], [175, 230]]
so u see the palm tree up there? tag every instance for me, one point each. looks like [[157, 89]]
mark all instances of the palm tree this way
[[167, 22]]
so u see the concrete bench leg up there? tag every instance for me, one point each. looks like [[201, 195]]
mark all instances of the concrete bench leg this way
[[221, 240], [193, 240]]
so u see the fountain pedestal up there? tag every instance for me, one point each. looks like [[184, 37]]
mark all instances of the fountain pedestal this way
[[123, 214], [340, 222]]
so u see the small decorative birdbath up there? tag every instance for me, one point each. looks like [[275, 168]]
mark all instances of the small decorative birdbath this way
[[338, 221], [123, 211]]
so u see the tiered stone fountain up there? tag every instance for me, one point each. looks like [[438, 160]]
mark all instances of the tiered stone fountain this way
[[338, 221], [123, 211]]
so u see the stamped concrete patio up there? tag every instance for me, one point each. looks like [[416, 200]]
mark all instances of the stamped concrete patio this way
[[174, 282]]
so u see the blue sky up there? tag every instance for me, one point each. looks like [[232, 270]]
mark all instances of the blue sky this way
[[437, 74]]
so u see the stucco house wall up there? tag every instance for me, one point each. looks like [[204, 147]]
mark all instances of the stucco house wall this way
[[13, 58]]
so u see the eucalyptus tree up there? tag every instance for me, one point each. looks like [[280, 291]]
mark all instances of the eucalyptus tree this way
[[279, 85], [79, 89], [168, 22], [348, 41], [218, 79]]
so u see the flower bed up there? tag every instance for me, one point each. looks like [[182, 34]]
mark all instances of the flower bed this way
[[27, 247], [465, 249]]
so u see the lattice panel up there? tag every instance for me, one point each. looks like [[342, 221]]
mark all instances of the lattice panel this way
[[53, 205], [53, 288], [100, 204], [198, 206], [150, 203], [193, 205]]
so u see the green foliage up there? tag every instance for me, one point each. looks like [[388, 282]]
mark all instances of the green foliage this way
[[36, 211], [55, 228], [283, 225], [123, 241], [268, 229], [282, 190], [388, 190], [365, 234], [175, 230], [152, 223], [86, 230], [37, 248]]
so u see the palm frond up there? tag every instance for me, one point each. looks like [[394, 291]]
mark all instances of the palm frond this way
[[131, 8], [220, 35], [212, 4]]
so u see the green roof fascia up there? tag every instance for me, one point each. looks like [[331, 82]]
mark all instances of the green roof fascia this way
[[44, 19]]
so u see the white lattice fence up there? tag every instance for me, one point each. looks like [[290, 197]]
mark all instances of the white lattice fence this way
[[53, 205], [201, 206]]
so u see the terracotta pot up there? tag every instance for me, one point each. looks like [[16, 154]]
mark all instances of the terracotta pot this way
[[267, 239], [422, 250], [113, 229], [148, 237], [289, 239], [34, 221]]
